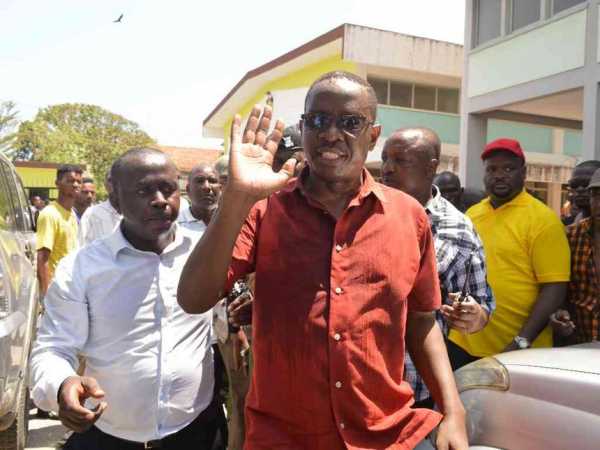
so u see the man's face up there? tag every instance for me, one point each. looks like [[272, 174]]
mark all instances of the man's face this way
[[504, 176], [580, 195], [594, 204], [407, 168], [334, 154], [38, 203], [149, 197], [450, 189], [204, 188], [87, 195], [69, 184]]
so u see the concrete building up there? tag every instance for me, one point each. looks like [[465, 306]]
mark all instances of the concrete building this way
[[39, 177], [533, 63], [186, 158], [417, 81]]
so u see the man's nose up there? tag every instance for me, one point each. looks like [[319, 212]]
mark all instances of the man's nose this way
[[331, 133], [159, 200], [387, 167], [205, 185]]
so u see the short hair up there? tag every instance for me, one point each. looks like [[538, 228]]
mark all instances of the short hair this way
[[64, 169], [589, 164], [451, 176], [87, 180], [430, 137], [222, 165], [343, 75], [136, 153], [202, 166]]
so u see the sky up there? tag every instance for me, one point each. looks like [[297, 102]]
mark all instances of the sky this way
[[169, 63]]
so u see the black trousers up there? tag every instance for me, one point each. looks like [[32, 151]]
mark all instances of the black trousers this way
[[198, 435], [458, 357]]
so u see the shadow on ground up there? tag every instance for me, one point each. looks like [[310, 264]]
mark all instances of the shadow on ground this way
[[44, 434]]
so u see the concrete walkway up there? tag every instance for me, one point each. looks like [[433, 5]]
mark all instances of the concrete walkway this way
[[44, 434]]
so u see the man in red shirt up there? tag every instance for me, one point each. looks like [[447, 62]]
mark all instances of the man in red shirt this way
[[345, 276]]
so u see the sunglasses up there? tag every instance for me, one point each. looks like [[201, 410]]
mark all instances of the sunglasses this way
[[353, 124]]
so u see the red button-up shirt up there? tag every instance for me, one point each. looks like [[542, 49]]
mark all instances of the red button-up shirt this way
[[329, 319]]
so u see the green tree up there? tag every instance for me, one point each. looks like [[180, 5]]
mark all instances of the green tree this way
[[8, 123], [81, 134]]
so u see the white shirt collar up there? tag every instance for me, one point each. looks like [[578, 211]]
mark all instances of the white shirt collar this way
[[116, 241]]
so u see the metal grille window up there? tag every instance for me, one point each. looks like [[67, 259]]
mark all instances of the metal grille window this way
[[409, 95]]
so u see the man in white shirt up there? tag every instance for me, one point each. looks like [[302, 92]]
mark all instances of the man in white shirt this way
[[101, 219], [149, 376], [204, 190]]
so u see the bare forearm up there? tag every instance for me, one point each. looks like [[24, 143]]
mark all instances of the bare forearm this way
[[43, 274], [550, 298], [428, 351], [205, 271]]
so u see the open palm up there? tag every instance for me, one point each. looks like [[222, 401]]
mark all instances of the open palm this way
[[251, 156]]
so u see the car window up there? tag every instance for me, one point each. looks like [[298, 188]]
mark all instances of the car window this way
[[27, 216], [21, 222], [7, 219]]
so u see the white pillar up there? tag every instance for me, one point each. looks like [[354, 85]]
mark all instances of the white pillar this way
[[473, 137]]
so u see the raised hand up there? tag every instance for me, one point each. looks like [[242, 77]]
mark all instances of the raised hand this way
[[251, 156]]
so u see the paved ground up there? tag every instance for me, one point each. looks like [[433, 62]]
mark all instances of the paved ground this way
[[43, 434]]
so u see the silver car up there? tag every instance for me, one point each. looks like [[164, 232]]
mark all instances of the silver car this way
[[536, 399], [18, 306]]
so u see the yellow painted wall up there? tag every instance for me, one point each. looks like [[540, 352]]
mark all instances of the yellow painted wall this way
[[301, 78], [38, 177]]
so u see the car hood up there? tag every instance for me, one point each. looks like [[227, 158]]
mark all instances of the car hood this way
[[578, 358]]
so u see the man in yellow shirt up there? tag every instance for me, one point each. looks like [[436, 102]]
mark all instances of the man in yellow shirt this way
[[57, 225], [527, 255]]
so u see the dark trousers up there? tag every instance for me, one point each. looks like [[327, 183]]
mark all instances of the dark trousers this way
[[198, 435], [459, 357]]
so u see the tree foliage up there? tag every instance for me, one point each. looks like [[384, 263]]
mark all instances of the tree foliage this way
[[81, 134], [8, 124]]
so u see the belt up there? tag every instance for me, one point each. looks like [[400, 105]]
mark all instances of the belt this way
[[153, 444]]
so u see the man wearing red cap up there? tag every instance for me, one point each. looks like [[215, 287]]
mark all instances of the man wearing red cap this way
[[527, 255]]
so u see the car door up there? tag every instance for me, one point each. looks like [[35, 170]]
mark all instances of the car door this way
[[18, 286]]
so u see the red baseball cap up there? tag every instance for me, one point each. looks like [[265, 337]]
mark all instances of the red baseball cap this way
[[503, 144]]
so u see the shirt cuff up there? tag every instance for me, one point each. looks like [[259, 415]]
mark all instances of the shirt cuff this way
[[45, 394]]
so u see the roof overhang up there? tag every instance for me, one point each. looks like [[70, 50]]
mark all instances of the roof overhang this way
[[326, 45]]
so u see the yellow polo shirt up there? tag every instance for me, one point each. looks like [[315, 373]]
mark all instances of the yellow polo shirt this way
[[56, 231], [525, 245]]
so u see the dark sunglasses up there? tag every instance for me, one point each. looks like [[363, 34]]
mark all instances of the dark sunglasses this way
[[352, 124]]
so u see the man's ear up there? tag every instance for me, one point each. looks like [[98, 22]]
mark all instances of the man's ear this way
[[374, 134], [433, 166]]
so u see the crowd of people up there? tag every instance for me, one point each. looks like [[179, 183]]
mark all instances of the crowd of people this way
[[295, 302]]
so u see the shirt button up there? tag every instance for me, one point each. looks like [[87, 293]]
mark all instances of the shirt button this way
[[342, 425], [338, 248], [337, 336], [338, 384], [338, 290]]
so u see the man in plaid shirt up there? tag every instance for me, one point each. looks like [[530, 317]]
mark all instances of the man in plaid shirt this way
[[410, 160], [580, 321]]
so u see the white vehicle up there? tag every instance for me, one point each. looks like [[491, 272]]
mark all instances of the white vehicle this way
[[18, 306], [536, 399]]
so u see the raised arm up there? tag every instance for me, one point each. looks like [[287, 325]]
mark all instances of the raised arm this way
[[251, 179]]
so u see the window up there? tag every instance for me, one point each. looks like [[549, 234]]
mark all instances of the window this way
[[489, 18], [17, 212], [381, 89], [408, 95], [400, 94], [525, 12], [7, 221], [448, 100], [561, 5], [424, 98], [538, 189]]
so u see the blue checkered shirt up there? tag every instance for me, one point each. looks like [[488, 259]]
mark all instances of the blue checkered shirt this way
[[455, 242]]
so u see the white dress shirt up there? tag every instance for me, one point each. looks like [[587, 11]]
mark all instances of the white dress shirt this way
[[97, 221], [188, 221], [117, 306]]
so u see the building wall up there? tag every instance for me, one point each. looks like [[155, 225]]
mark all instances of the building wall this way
[[555, 47], [38, 178]]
